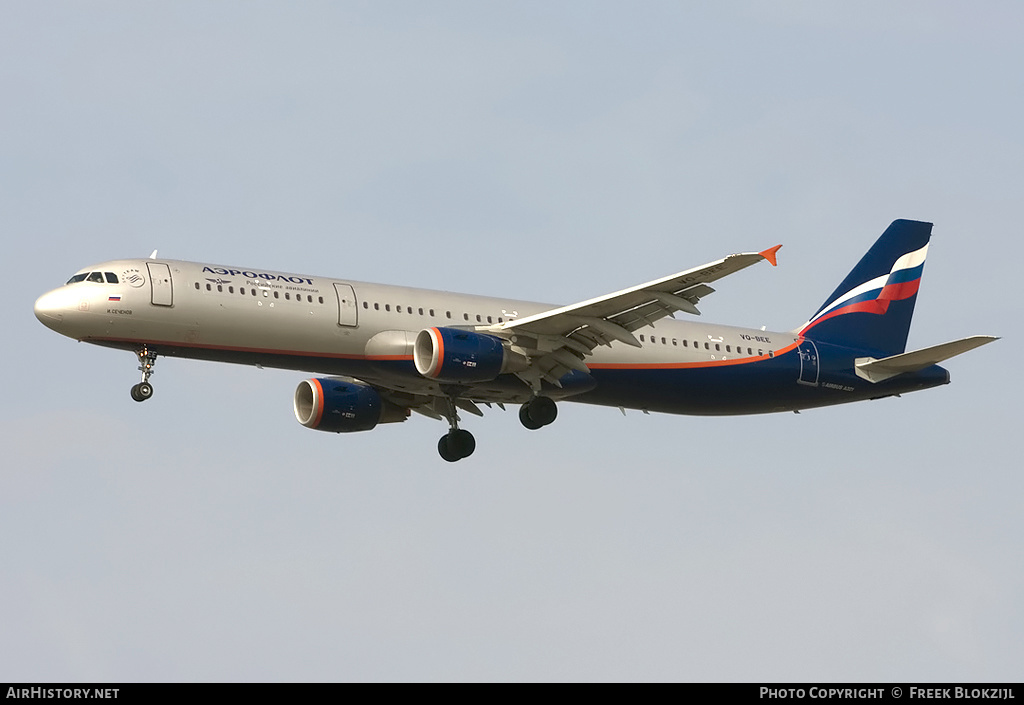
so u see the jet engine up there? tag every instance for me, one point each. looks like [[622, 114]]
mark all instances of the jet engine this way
[[343, 406], [455, 355]]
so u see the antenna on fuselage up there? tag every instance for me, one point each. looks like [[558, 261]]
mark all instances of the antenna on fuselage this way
[[153, 256]]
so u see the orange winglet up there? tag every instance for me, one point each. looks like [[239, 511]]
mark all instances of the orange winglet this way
[[769, 255]]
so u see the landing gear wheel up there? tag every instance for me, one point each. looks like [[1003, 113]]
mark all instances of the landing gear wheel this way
[[442, 449], [142, 391], [462, 442], [538, 412], [524, 418], [456, 445]]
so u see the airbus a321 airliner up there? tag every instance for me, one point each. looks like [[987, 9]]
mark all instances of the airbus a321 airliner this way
[[384, 351]]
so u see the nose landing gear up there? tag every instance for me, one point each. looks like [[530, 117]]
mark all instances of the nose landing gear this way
[[144, 390]]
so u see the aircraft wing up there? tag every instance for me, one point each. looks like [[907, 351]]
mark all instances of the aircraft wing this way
[[558, 340]]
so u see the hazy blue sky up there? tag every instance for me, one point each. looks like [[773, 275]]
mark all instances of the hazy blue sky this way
[[553, 151]]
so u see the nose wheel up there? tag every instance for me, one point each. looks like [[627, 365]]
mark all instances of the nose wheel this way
[[144, 390]]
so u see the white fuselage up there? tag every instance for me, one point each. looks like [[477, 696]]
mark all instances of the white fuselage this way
[[324, 325]]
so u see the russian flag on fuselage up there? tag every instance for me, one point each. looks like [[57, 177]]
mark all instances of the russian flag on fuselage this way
[[872, 308]]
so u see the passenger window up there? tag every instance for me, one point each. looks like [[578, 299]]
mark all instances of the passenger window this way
[[728, 348], [231, 290], [478, 318], [448, 314], [112, 278], [398, 309], [309, 299], [641, 337], [209, 288], [266, 293], [431, 313], [220, 288], [387, 307], [197, 286], [465, 316], [718, 347], [277, 295], [675, 342], [489, 319], [366, 305], [663, 341], [707, 346], [321, 298], [421, 311]]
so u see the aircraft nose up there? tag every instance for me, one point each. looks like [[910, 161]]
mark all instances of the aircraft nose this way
[[49, 309]]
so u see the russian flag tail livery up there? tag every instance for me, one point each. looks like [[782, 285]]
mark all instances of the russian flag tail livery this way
[[872, 308]]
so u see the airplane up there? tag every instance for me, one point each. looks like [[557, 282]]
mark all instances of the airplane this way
[[382, 352]]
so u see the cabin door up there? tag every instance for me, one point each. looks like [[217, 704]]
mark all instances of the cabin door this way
[[348, 313], [160, 284], [808, 363]]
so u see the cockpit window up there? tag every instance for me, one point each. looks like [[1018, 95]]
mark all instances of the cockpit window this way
[[78, 278], [111, 277], [96, 277]]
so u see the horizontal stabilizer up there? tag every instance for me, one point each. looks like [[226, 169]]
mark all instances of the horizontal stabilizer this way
[[880, 370]]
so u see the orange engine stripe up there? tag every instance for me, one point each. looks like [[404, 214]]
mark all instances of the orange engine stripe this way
[[439, 343], [319, 402]]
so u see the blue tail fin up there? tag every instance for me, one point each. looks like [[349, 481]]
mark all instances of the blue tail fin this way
[[872, 308]]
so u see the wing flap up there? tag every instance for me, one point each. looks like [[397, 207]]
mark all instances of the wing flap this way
[[557, 341], [637, 306]]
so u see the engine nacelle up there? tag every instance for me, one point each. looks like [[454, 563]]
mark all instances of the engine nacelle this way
[[455, 355], [343, 406]]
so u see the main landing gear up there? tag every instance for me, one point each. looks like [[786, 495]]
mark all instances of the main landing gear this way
[[457, 443], [538, 412], [144, 390]]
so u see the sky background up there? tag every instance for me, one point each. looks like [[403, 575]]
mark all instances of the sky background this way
[[551, 151]]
